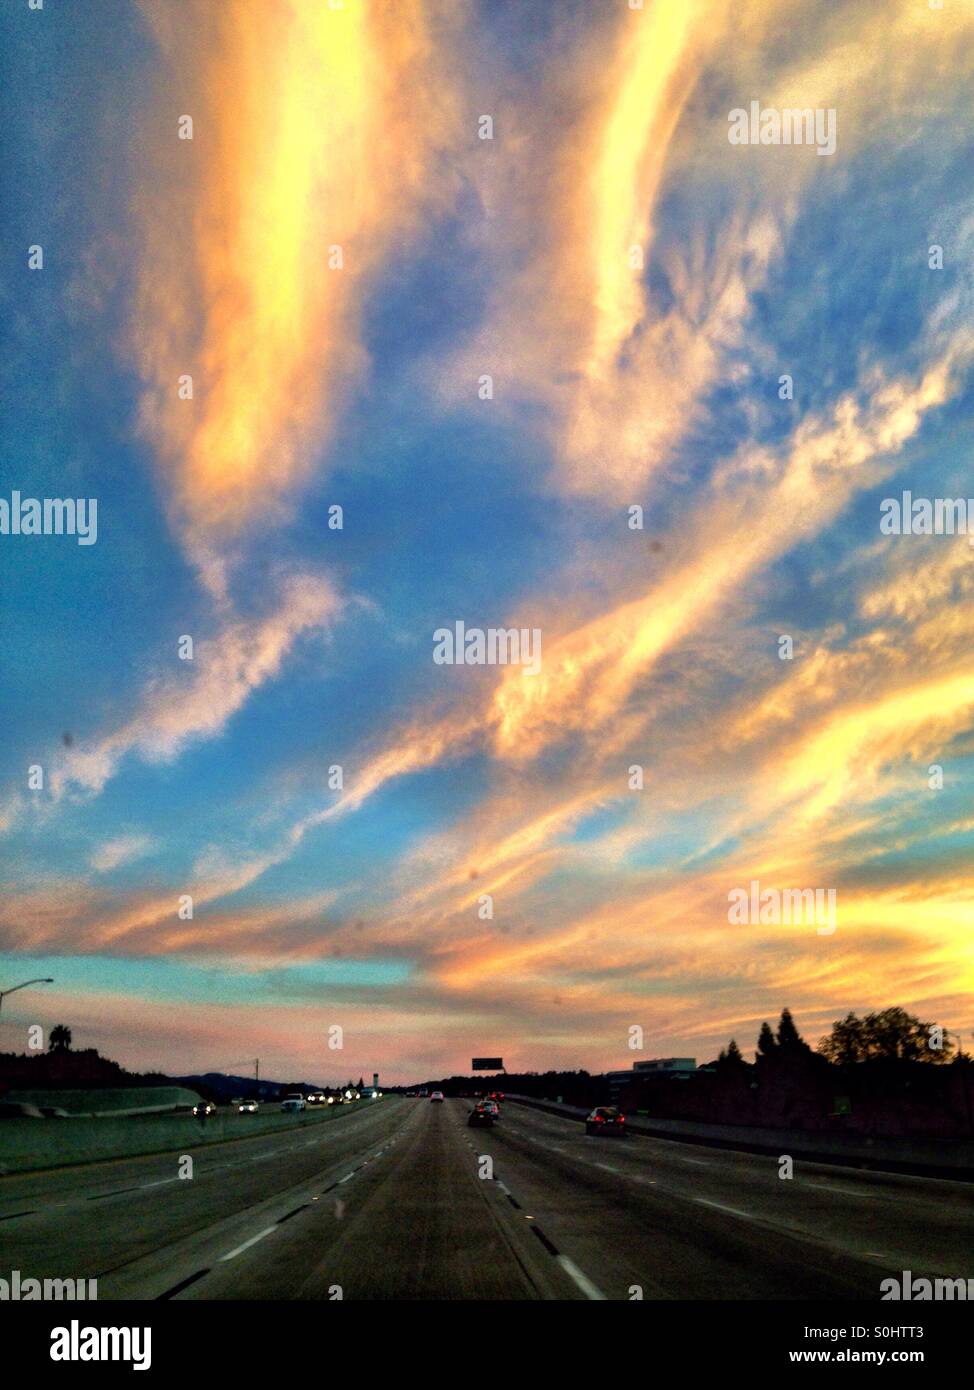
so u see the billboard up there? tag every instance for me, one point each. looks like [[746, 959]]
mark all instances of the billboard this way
[[488, 1063]]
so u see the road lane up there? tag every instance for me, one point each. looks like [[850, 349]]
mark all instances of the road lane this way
[[415, 1223], [686, 1222], [138, 1228], [404, 1201]]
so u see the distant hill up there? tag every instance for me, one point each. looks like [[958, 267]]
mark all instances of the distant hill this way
[[84, 1069], [218, 1086]]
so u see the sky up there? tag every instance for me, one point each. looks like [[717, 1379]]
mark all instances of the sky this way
[[492, 280]]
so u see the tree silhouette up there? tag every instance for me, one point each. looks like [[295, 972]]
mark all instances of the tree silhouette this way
[[60, 1040], [731, 1060], [767, 1046], [888, 1034], [845, 1042], [790, 1041]]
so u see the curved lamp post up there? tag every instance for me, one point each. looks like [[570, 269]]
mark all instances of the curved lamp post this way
[[45, 980]]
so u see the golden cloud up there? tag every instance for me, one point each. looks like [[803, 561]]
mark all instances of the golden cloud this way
[[315, 131]]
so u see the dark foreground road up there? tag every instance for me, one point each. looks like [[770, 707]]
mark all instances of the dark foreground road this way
[[392, 1202]]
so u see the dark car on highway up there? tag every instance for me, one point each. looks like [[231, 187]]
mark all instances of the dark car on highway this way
[[605, 1119], [480, 1116]]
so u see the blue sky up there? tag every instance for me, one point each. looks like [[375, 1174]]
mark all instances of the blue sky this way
[[486, 880]]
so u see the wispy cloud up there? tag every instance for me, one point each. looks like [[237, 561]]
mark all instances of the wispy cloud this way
[[260, 237], [635, 285], [121, 850], [193, 700]]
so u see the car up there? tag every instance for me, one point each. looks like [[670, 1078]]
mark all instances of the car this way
[[247, 1107], [437, 1095], [480, 1117], [492, 1108], [606, 1119], [424, 1092], [19, 1110], [204, 1108], [291, 1104]]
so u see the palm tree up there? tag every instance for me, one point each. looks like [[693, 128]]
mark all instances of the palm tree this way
[[60, 1039]]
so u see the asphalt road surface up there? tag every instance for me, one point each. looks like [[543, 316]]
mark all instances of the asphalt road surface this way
[[400, 1199]]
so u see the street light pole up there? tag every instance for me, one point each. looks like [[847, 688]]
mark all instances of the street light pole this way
[[963, 1062], [13, 989]]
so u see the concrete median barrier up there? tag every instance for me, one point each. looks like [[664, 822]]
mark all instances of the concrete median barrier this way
[[119, 1100], [27, 1145]]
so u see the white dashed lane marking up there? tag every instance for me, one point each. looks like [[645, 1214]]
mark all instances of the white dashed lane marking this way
[[247, 1244], [582, 1281]]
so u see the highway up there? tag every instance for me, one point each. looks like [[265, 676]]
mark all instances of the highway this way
[[389, 1202]]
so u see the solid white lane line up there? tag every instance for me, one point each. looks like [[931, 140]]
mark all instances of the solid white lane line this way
[[719, 1206], [848, 1191], [608, 1167], [583, 1282], [247, 1244]]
